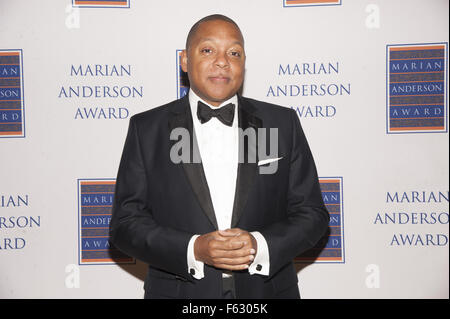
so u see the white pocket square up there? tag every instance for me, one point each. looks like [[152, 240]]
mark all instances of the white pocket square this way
[[268, 160]]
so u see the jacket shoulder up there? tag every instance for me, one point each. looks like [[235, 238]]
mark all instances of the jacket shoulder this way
[[268, 107], [271, 112], [155, 114]]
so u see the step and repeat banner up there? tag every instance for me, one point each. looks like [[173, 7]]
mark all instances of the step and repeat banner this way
[[368, 80]]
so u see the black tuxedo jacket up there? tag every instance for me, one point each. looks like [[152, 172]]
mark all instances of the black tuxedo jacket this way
[[159, 205]]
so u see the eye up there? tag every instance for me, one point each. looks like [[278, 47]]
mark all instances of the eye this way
[[236, 54], [206, 50]]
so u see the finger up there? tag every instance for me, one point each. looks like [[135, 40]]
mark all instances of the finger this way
[[235, 232], [240, 238], [232, 267], [230, 232], [218, 236], [245, 237], [227, 245], [237, 253], [234, 261]]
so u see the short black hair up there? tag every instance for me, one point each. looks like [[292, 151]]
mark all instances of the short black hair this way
[[212, 17]]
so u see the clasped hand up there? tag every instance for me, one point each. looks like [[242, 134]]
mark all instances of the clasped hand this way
[[231, 249]]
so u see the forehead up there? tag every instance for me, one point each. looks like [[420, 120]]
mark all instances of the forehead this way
[[218, 30]]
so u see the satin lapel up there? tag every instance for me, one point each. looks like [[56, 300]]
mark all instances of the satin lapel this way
[[181, 117], [248, 151]]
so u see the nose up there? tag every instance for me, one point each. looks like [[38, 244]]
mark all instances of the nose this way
[[222, 60]]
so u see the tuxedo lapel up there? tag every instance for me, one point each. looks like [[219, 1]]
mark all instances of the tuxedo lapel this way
[[181, 117], [248, 158]]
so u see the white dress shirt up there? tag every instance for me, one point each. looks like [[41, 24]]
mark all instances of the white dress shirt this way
[[219, 145]]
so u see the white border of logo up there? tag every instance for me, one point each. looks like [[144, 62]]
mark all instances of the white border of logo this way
[[22, 95], [445, 130]]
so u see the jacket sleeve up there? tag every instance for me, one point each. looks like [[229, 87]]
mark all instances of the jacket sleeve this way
[[133, 229], [306, 217]]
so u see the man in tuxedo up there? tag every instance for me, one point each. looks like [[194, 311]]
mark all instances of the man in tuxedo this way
[[201, 210]]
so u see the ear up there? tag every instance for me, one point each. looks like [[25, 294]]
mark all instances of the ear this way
[[184, 60]]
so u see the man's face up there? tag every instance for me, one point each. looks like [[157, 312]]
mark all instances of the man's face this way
[[215, 61]]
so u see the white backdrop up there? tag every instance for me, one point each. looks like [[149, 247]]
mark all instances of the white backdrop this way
[[392, 198]]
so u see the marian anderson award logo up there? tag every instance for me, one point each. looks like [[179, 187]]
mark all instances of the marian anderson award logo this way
[[12, 119], [95, 199], [308, 3], [329, 249], [416, 88], [182, 78], [101, 3]]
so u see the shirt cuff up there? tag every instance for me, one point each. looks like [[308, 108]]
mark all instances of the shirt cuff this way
[[195, 267], [261, 263]]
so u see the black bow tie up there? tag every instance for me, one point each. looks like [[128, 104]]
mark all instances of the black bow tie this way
[[225, 114]]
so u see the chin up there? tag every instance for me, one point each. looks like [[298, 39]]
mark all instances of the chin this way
[[220, 97]]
